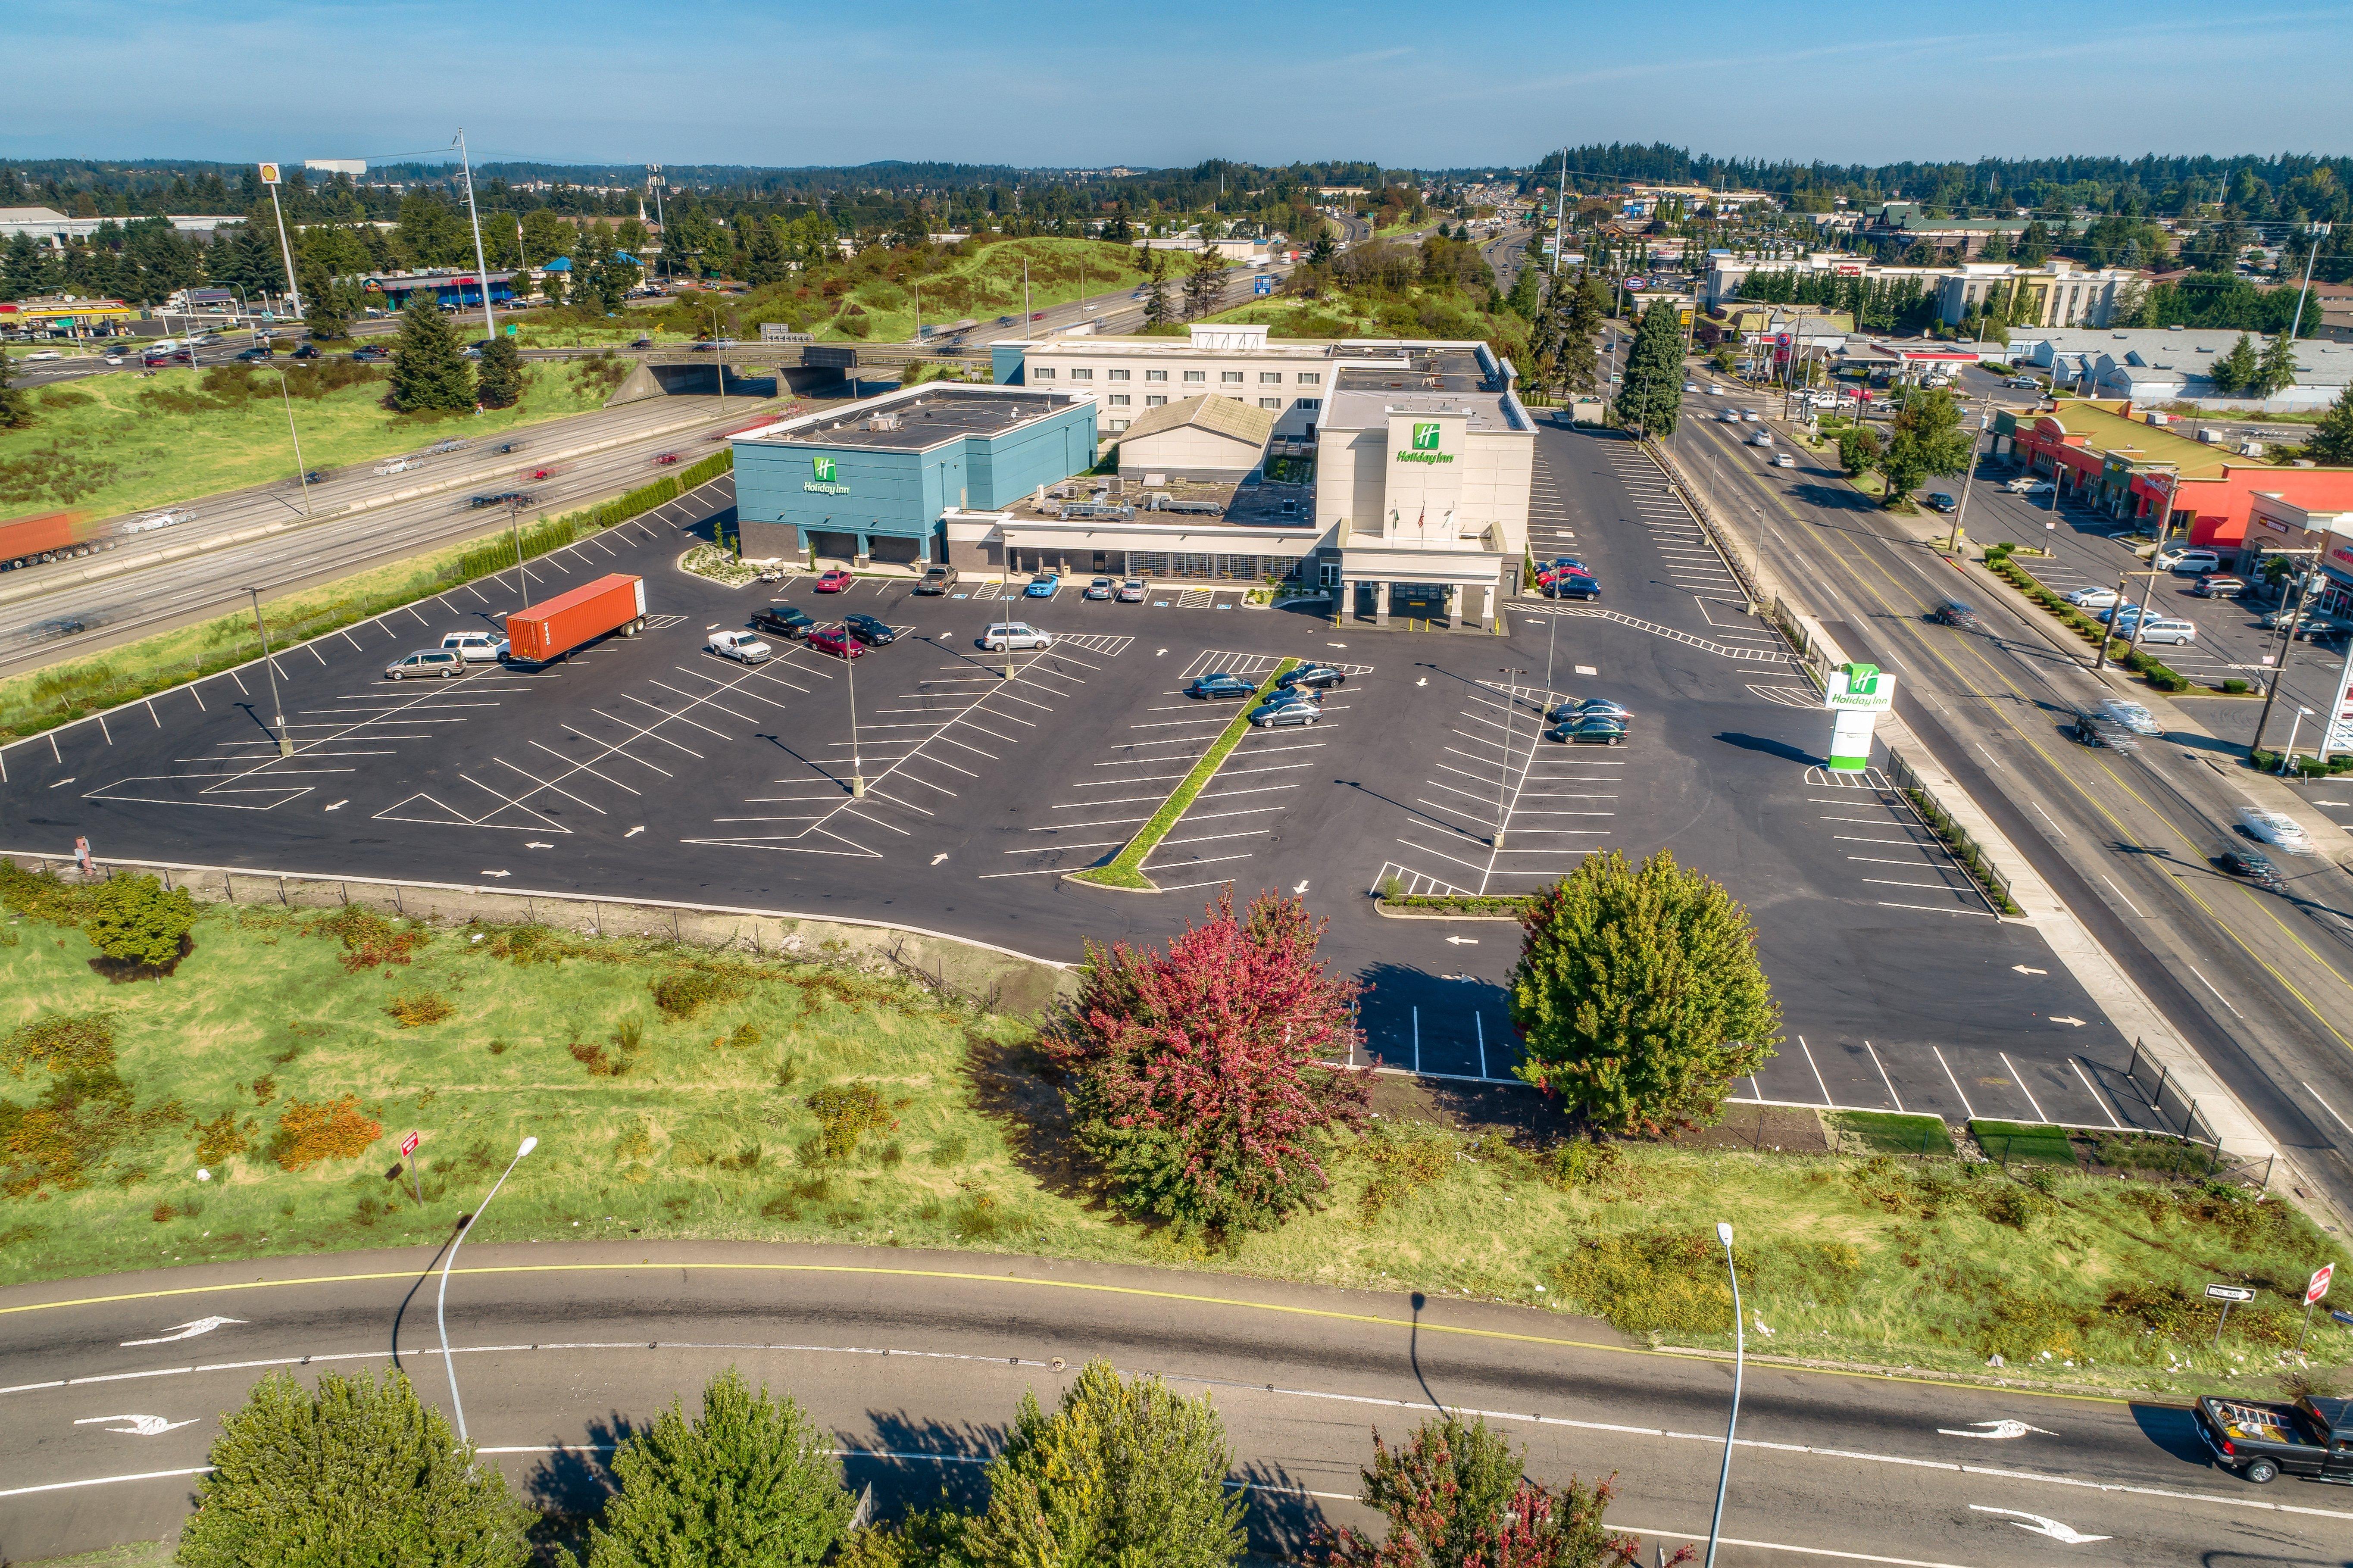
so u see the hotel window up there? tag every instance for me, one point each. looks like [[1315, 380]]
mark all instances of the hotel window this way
[[1155, 375], [1042, 371], [1310, 378], [1229, 377], [1119, 400], [1309, 404], [1196, 375], [1083, 375], [1270, 378], [1270, 403], [1119, 423], [1150, 401], [1115, 375]]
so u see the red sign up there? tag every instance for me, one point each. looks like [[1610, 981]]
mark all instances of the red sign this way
[[2319, 1285], [409, 1144]]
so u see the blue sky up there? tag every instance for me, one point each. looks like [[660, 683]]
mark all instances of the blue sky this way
[[1053, 82]]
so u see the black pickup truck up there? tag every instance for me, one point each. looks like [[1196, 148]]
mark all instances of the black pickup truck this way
[[2312, 1437]]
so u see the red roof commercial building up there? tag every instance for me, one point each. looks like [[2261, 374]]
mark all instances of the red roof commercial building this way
[[2100, 454]]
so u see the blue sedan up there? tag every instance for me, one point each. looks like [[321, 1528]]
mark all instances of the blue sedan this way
[[1572, 585], [1042, 585], [1267, 715], [1221, 685]]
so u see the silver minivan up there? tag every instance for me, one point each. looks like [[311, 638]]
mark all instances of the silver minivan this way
[[1004, 635], [2166, 631], [441, 661]]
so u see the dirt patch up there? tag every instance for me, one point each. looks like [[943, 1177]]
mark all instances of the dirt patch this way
[[1761, 1130]]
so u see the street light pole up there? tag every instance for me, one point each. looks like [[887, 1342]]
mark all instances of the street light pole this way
[[481, 267], [277, 707], [1970, 471], [849, 660], [301, 472], [1739, 1366], [2108, 632], [1504, 781], [2287, 651], [2319, 232], [440, 1305]]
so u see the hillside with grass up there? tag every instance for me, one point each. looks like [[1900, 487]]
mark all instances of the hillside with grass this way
[[106, 445], [684, 1093]]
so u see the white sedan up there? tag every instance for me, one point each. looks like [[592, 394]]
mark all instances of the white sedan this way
[[43, 354], [2094, 598], [155, 520], [741, 646], [2275, 828]]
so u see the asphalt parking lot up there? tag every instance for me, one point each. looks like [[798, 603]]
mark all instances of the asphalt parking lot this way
[[649, 767]]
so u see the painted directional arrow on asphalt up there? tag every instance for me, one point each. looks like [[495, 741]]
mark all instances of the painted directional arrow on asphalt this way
[[2023, 970], [2063, 1533], [497, 873], [2064, 1018], [185, 1332], [141, 1425], [1996, 1429], [1462, 940]]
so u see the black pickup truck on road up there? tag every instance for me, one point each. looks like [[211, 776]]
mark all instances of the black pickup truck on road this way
[[2312, 1437]]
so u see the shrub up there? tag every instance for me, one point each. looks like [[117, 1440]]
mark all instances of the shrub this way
[[43, 895], [1196, 1076], [683, 993], [68, 1134], [1403, 1163], [1580, 1162], [369, 939], [1445, 1491], [845, 1113], [221, 1139], [361, 1472], [310, 1131], [417, 1009], [1657, 1281], [135, 920]]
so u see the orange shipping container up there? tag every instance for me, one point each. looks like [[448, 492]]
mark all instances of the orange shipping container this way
[[33, 535], [537, 633]]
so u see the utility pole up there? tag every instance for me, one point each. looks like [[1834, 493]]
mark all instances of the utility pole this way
[[481, 267], [1969, 471], [285, 743], [1560, 219], [2320, 231], [2108, 632], [2288, 615]]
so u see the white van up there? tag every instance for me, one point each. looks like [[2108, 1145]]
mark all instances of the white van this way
[[475, 647]]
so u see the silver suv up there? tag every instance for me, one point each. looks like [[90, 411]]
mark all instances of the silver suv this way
[[1004, 635], [442, 661]]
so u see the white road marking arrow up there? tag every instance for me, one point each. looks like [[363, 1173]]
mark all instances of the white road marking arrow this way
[[185, 1332], [1158, 652], [1423, 681], [498, 873], [937, 858], [2023, 970], [1299, 891], [61, 784], [1996, 1429], [2063, 1533], [535, 843], [141, 1425], [337, 807], [2063, 1018], [633, 832], [1462, 940]]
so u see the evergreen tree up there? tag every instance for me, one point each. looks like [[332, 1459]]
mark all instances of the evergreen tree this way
[[1203, 284], [1155, 299], [498, 377], [1652, 395], [2278, 368], [749, 1483], [323, 305], [1579, 368], [1124, 1472], [1524, 300], [1926, 439], [2330, 444], [1639, 994], [427, 372], [764, 253], [1321, 253], [15, 403], [2236, 371], [361, 1474]]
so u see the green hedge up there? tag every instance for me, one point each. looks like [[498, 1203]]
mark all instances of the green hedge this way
[[1460, 903], [2309, 767], [2161, 676]]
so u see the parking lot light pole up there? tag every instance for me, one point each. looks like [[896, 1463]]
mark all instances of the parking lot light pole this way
[[849, 660], [301, 473], [2288, 614], [1502, 785], [1739, 1365], [2287, 754], [441, 1303], [285, 743]]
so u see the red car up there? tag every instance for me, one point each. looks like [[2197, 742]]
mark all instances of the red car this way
[[836, 581], [542, 473], [666, 459], [836, 641]]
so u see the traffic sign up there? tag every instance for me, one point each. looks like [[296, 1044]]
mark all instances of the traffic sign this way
[[2318, 1287], [409, 1144], [2229, 1293]]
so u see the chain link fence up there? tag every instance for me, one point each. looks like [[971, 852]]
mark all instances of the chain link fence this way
[[1965, 849]]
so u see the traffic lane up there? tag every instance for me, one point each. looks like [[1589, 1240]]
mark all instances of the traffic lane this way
[[627, 1304]]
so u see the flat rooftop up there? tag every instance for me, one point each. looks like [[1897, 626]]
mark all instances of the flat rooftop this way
[[947, 412], [1443, 380]]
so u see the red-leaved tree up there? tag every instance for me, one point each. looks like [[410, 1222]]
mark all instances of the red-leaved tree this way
[[1198, 1077]]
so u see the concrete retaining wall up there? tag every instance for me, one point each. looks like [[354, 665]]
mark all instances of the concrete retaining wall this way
[[996, 978]]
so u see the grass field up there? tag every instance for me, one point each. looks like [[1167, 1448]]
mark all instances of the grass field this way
[[107, 444], [987, 284], [799, 1102]]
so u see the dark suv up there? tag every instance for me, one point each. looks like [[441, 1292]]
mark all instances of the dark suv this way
[[784, 621]]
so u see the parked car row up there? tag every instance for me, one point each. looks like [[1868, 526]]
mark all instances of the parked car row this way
[[1297, 696], [1566, 577], [848, 638]]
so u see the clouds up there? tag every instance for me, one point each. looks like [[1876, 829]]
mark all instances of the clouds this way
[[1061, 82]]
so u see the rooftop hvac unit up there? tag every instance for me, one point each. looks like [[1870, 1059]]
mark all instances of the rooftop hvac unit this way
[[884, 421]]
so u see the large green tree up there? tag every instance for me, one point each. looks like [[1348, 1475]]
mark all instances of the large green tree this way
[[1638, 994], [135, 920], [1203, 283], [15, 403], [1124, 1472], [749, 1483], [2277, 370], [322, 304], [1651, 396], [427, 369], [1455, 1498], [2331, 441], [498, 378], [359, 1474], [2236, 371], [1926, 440]]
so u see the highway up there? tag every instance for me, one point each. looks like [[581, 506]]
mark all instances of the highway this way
[[114, 1389], [2260, 983], [152, 582]]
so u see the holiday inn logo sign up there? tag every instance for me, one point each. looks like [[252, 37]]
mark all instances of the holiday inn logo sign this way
[[1425, 446], [821, 478]]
